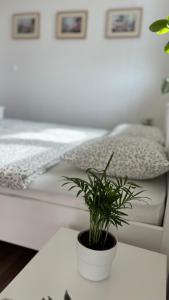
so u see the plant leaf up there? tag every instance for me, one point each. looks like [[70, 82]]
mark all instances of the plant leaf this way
[[163, 31], [165, 85], [166, 48], [159, 25], [67, 297]]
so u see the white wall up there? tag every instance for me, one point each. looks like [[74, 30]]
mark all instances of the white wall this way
[[96, 81]]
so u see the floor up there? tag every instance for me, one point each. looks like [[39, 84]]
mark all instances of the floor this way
[[12, 260]]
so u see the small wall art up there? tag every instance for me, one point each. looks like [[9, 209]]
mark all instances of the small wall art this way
[[123, 22], [26, 26], [71, 24]]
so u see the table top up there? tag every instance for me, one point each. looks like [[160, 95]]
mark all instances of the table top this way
[[137, 274]]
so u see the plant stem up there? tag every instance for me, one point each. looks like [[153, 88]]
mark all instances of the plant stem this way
[[105, 170], [106, 235]]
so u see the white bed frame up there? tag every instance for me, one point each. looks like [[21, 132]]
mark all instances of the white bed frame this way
[[31, 223]]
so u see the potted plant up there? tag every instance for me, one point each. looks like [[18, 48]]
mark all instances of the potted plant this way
[[106, 200]]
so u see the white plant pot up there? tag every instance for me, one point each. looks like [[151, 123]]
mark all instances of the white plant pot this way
[[95, 265]]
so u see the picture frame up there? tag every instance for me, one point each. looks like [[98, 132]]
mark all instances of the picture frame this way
[[26, 26], [71, 24], [124, 22]]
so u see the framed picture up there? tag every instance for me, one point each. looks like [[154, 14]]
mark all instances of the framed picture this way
[[71, 24], [26, 26], [124, 22]]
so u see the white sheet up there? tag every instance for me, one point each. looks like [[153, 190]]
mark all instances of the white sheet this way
[[29, 149], [48, 188]]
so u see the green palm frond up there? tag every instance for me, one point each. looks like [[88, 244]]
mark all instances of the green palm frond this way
[[66, 297], [105, 198]]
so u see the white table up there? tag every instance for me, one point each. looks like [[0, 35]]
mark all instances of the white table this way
[[137, 274]]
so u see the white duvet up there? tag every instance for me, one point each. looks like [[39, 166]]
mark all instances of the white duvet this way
[[28, 149]]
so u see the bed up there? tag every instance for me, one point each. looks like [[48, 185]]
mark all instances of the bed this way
[[30, 216]]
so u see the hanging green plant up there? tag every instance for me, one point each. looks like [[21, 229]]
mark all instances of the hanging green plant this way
[[161, 27]]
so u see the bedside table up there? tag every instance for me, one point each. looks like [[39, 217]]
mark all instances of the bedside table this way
[[137, 274]]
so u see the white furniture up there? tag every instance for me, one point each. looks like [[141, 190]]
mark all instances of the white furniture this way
[[137, 274]]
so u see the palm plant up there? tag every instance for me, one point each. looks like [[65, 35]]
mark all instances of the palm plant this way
[[106, 200]]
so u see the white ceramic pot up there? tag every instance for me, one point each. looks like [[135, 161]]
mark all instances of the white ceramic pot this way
[[95, 265]]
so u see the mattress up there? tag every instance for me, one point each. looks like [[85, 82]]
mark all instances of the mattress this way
[[48, 188]]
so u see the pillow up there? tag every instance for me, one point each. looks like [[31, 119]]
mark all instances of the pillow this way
[[134, 157], [150, 132]]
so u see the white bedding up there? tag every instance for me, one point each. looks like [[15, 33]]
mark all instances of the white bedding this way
[[48, 188], [28, 149]]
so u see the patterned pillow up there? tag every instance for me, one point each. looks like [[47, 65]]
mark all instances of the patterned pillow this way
[[134, 157], [137, 130]]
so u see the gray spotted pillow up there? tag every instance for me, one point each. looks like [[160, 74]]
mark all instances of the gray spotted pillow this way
[[137, 130], [134, 157]]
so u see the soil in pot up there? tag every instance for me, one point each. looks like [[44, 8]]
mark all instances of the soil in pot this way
[[110, 243]]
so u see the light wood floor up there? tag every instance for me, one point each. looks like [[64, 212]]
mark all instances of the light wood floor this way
[[12, 260]]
